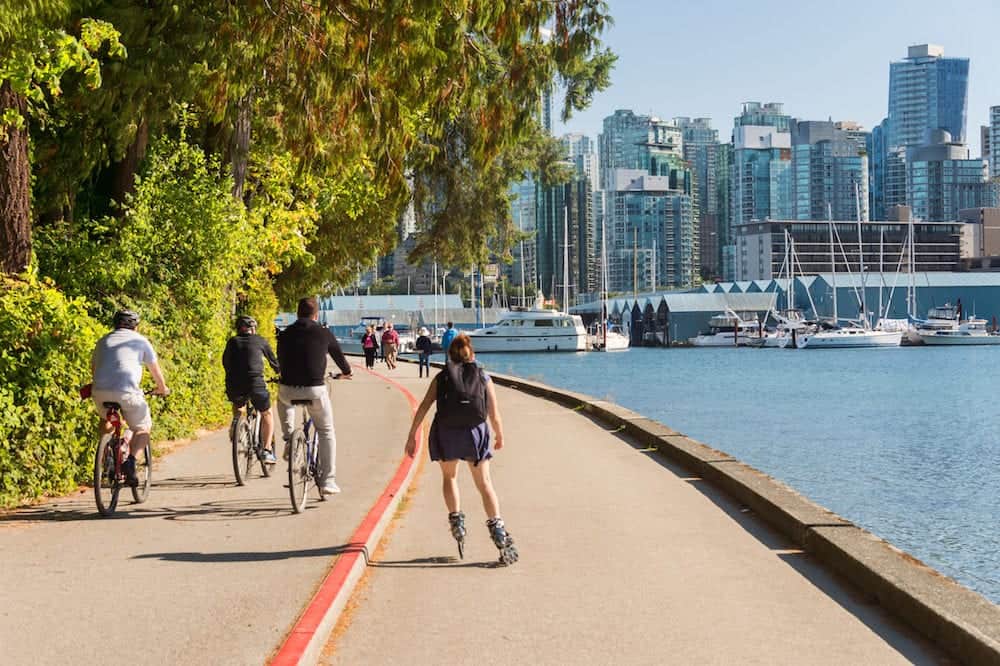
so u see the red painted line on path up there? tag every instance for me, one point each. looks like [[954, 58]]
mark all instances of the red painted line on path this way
[[302, 633]]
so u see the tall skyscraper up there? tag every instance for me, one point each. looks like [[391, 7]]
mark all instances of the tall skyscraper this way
[[701, 151], [761, 181], [992, 151], [828, 160], [631, 141], [927, 92]]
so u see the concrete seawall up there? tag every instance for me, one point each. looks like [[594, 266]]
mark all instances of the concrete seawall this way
[[960, 621]]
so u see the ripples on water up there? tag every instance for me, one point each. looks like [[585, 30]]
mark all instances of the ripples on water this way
[[904, 442]]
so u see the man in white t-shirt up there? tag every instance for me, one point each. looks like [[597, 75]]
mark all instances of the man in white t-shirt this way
[[116, 367]]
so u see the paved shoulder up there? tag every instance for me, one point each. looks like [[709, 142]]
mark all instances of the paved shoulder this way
[[623, 560], [204, 572]]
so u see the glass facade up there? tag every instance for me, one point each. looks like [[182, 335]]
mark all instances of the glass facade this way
[[939, 189], [828, 159], [701, 151], [655, 240], [994, 142]]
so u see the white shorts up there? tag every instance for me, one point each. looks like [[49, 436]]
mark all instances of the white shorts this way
[[134, 408]]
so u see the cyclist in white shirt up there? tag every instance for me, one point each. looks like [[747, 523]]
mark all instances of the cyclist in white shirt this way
[[116, 367]]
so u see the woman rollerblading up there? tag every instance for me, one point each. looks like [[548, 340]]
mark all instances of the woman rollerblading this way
[[466, 400]]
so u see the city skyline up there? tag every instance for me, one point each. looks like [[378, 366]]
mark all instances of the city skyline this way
[[709, 68]]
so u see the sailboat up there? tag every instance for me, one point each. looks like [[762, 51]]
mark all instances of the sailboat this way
[[855, 334], [607, 337]]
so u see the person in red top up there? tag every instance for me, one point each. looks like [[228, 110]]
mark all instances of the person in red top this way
[[390, 345], [369, 344]]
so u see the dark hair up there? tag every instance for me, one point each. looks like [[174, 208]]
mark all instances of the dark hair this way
[[307, 307], [450, 325], [460, 349]]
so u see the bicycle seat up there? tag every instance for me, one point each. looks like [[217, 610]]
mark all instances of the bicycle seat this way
[[113, 405], [302, 402]]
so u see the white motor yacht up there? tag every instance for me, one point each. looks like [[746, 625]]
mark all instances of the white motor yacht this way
[[970, 332], [728, 330], [942, 318], [532, 330]]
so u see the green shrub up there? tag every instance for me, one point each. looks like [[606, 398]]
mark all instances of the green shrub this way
[[47, 434]]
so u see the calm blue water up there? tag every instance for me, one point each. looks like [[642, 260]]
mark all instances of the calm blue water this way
[[903, 442]]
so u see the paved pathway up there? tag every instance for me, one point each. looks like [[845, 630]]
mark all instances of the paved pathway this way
[[624, 560], [205, 572]]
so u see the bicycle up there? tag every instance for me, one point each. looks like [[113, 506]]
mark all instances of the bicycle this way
[[244, 433], [303, 460], [303, 456], [112, 451]]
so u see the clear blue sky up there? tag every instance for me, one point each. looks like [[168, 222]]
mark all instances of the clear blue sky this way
[[822, 59]]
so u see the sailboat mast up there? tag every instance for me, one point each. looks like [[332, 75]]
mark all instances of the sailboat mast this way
[[881, 272], [833, 265], [523, 294], [566, 259], [861, 252], [604, 288]]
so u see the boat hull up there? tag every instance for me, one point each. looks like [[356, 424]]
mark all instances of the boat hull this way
[[491, 343], [833, 340], [942, 340], [613, 342]]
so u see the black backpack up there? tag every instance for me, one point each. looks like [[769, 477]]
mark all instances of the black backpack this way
[[461, 396]]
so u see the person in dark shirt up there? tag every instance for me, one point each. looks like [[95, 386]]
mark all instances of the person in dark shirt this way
[[243, 360], [302, 351], [424, 346]]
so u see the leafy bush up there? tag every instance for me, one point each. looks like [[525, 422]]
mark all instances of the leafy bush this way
[[47, 434]]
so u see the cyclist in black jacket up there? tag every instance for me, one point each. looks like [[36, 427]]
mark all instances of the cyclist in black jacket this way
[[303, 348], [243, 360]]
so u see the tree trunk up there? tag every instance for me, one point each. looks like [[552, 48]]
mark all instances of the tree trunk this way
[[125, 170], [15, 187], [240, 147]]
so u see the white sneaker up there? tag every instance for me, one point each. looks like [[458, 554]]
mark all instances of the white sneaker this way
[[331, 488]]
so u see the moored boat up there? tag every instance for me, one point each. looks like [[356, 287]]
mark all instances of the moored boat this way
[[969, 332], [532, 330]]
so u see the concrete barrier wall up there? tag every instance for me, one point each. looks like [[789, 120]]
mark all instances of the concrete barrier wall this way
[[963, 623]]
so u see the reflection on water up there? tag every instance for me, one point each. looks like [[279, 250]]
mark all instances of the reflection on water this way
[[904, 442]]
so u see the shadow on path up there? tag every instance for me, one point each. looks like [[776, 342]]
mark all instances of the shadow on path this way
[[254, 556], [433, 563], [221, 510]]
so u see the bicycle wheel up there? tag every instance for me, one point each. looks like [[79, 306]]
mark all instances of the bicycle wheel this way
[[298, 471], [314, 465], [143, 472], [106, 482], [243, 453]]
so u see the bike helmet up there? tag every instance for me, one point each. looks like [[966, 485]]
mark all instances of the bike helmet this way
[[245, 322], [126, 319]]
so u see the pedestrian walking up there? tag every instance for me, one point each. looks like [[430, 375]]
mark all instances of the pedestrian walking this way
[[424, 347], [446, 339], [390, 345], [369, 344], [465, 400]]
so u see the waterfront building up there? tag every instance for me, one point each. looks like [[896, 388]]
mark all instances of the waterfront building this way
[[927, 92], [673, 317], [761, 180], [701, 151], [654, 233], [941, 179], [761, 243], [828, 160], [991, 144], [980, 232]]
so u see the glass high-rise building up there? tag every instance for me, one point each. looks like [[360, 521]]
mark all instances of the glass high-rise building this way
[[993, 144], [942, 180], [927, 92], [701, 151], [830, 170], [761, 172]]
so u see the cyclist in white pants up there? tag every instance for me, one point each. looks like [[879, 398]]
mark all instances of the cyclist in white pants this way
[[303, 348]]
